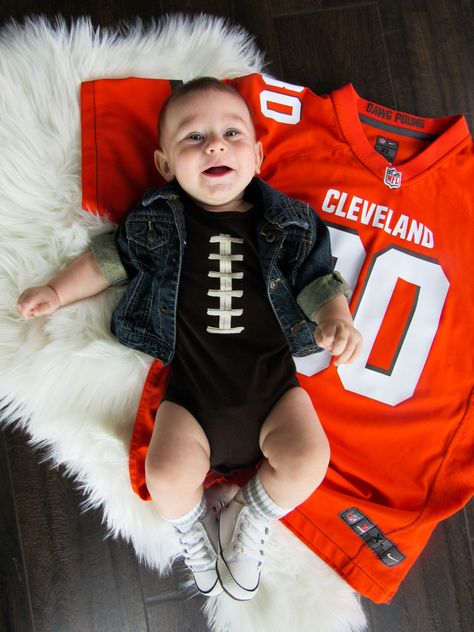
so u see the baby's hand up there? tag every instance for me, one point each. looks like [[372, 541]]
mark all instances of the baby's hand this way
[[340, 338], [37, 301]]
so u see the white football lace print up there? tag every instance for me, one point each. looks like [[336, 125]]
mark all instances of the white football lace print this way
[[225, 293]]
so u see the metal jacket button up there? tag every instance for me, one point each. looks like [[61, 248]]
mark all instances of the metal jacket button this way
[[164, 308], [297, 326], [274, 283], [269, 237]]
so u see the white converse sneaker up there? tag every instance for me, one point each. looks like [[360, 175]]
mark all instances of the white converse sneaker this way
[[200, 554], [242, 538]]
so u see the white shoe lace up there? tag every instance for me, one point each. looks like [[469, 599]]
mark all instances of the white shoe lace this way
[[199, 554], [251, 537]]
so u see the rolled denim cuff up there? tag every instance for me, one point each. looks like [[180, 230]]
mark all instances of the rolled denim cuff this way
[[320, 291], [107, 258]]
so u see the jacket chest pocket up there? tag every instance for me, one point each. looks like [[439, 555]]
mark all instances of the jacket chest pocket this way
[[149, 241]]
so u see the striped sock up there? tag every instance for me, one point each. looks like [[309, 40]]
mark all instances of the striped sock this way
[[184, 523], [254, 495]]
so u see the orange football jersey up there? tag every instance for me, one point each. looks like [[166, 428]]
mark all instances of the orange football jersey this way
[[396, 192]]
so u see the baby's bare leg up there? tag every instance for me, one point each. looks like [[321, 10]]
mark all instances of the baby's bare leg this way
[[296, 458], [177, 461], [295, 447]]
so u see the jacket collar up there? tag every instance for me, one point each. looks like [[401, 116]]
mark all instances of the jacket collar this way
[[169, 192], [278, 208]]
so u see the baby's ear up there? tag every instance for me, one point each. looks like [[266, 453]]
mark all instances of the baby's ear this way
[[163, 166], [258, 156]]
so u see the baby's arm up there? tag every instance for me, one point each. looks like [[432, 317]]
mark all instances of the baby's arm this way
[[80, 280], [336, 332]]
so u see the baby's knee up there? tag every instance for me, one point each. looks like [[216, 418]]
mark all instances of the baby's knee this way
[[317, 458], [176, 471], [308, 462]]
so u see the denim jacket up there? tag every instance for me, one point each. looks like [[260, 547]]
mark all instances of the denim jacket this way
[[295, 256]]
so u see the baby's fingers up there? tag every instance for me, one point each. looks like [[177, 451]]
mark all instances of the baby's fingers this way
[[36, 302], [27, 310], [325, 338], [341, 341], [41, 309], [351, 350], [25, 306]]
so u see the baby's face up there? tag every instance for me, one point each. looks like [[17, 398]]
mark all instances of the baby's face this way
[[208, 144]]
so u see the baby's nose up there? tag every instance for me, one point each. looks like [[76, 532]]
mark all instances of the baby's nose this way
[[215, 144]]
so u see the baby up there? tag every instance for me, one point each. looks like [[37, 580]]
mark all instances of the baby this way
[[227, 278]]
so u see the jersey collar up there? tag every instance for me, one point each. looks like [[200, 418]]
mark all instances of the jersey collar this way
[[445, 133]]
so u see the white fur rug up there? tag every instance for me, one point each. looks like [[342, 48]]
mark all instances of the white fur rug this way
[[75, 388]]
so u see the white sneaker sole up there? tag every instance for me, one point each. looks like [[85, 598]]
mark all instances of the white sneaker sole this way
[[216, 590], [230, 586]]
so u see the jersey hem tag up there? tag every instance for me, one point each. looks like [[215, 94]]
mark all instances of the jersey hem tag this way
[[372, 537]]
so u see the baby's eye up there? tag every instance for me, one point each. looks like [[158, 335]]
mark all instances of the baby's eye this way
[[195, 136], [231, 132]]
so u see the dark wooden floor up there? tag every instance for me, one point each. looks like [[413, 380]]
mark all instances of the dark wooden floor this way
[[56, 571]]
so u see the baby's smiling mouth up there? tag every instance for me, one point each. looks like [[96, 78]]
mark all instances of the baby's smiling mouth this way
[[217, 171]]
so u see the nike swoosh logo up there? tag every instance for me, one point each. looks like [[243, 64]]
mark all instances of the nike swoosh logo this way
[[392, 558]]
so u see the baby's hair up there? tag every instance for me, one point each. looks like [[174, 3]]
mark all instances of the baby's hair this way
[[200, 84]]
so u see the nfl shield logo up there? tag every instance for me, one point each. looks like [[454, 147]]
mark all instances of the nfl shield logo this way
[[393, 178]]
